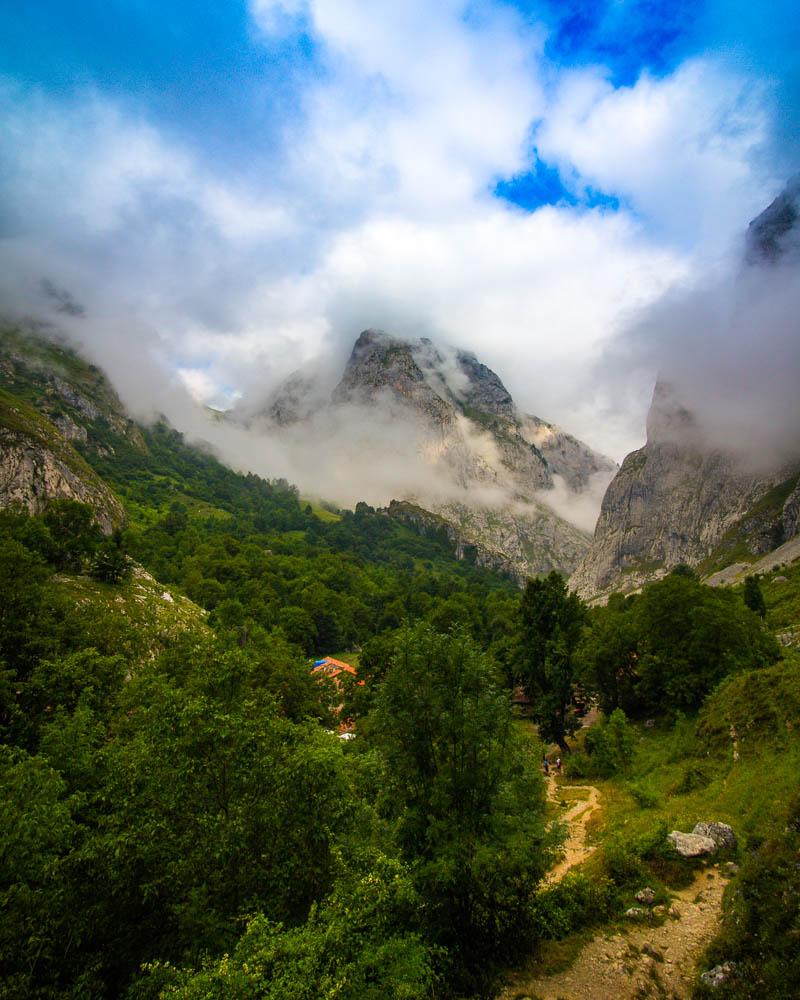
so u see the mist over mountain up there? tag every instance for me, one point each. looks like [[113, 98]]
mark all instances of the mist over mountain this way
[[718, 479], [412, 420]]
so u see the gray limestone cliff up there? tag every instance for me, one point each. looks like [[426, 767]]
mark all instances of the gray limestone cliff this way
[[679, 500], [671, 502], [52, 404], [38, 464], [492, 468]]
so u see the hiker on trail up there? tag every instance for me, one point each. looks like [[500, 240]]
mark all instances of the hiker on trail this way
[[546, 765], [558, 764]]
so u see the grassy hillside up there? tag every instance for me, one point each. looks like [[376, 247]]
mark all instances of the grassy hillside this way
[[248, 549], [136, 618]]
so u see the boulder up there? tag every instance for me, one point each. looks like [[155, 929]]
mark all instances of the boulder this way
[[718, 975], [691, 845], [720, 833], [636, 913], [646, 896]]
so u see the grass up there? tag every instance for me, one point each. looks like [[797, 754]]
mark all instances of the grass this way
[[685, 772], [133, 617], [782, 597], [570, 794], [328, 516]]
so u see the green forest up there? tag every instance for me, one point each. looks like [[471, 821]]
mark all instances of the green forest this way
[[178, 817]]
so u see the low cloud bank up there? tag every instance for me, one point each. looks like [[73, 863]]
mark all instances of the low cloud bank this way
[[727, 351]]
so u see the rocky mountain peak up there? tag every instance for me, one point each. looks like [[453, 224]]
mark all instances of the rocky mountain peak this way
[[669, 421], [382, 364], [681, 499], [485, 391], [775, 232], [472, 459]]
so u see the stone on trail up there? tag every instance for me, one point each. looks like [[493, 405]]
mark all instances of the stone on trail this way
[[720, 833], [646, 896], [691, 845]]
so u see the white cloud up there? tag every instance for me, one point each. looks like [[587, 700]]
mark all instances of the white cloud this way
[[678, 149], [420, 105], [378, 211]]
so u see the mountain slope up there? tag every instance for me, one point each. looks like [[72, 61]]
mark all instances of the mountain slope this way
[[679, 499], [38, 464], [672, 504], [472, 458]]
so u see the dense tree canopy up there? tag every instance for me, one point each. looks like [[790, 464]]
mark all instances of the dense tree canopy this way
[[552, 619], [665, 649]]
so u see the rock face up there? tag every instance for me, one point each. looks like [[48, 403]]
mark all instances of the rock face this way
[[719, 975], [565, 455], [677, 500], [75, 405], [36, 466], [775, 232], [492, 468], [672, 502]]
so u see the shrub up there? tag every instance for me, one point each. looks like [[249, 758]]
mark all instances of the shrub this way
[[608, 749], [575, 902], [644, 796]]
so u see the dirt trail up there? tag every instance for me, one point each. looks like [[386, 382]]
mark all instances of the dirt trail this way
[[575, 848], [645, 962]]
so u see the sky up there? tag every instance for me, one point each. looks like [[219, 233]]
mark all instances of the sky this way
[[233, 189]]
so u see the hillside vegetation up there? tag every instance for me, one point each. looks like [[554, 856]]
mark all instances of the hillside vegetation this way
[[179, 819]]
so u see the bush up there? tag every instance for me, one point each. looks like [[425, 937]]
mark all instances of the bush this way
[[644, 796], [762, 921], [575, 902], [609, 749], [694, 776]]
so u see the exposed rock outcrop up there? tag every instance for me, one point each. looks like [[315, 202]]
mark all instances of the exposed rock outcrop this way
[[672, 503], [492, 468], [775, 232], [38, 465], [722, 834], [681, 500], [691, 845]]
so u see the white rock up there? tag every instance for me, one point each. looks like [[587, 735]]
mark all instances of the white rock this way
[[691, 845]]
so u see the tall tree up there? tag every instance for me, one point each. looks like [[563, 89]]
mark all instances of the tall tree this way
[[552, 620], [465, 794], [753, 597]]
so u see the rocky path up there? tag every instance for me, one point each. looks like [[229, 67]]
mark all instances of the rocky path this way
[[644, 962], [576, 849]]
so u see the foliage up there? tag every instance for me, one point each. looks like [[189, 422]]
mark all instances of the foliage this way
[[552, 618], [753, 597], [73, 533], [762, 921], [465, 796], [37, 832], [608, 748], [110, 563], [667, 648], [575, 902], [355, 946], [175, 820]]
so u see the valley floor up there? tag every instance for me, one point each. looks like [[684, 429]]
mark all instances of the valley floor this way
[[639, 963]]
